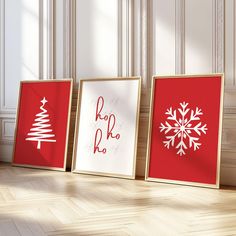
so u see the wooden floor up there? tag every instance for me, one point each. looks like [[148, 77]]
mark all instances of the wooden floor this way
[[38, 202]]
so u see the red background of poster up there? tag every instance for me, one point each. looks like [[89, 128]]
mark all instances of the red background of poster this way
[[195, 166], [51, 154]]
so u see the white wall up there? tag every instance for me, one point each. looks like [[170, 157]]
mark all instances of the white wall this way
[[96, 38]]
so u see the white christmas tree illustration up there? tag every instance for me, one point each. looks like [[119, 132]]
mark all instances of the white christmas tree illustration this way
[[40, 131], [183, 129]]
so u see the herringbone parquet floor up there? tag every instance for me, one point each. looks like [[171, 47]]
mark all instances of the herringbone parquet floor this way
[[39, 202]]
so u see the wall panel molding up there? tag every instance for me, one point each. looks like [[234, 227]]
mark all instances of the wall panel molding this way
[[64, 39], [143, 66], [230, 99], [228, 151], [2, 19], [69, 44], [3, 108], [142, 143], [230, 44], [228, 174], [166, 26], [218, 36], [125, 38], [119, 14], [179, 36], [46, 11], [7, 131]]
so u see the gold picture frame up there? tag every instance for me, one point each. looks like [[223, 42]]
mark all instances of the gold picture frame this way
[[77, 126], [172, 181], [67, 124]]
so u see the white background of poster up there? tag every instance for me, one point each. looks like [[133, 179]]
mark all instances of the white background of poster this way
[[121, 98]]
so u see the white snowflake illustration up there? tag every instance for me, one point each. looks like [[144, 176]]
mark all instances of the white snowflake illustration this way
[[182, 130]]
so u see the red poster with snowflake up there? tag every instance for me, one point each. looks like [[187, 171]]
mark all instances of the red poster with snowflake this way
[[42, 124], [185, 130]]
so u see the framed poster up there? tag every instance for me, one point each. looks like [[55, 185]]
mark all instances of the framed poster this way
[[185, 125], [107, 127], [42, 124]]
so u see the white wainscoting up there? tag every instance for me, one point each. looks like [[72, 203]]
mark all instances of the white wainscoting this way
[[97, 38], [228, 168]]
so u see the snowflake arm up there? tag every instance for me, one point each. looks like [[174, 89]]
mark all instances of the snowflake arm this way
[[195, 115], [170, 141], [193, 142], [181, 145], [183, 111], [172, 115], [168, 127], [197, 128]]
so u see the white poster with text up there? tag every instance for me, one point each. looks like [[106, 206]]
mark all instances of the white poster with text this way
[[107, 127]]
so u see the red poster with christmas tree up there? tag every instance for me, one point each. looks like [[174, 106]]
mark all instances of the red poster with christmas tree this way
[[42, 124], [185, 130]]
